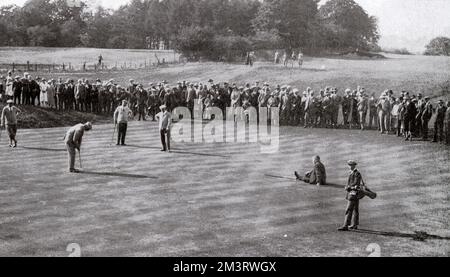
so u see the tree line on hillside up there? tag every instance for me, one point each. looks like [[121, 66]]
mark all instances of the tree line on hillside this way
[[207, 28]]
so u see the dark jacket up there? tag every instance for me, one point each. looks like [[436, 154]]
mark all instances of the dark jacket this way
[[354, 183], [318, 174]]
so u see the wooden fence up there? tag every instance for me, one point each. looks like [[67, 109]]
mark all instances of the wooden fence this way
[[85, 67]]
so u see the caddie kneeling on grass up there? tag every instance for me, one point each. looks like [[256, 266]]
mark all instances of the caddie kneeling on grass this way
[[317, 176], [73, 139]]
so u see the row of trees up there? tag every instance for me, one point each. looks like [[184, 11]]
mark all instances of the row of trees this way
[[439, 46], [195, 27]]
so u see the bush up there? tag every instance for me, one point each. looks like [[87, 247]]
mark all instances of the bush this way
[[194, 42], [117, 42], [402, 51], [439, 46], [229, 48], [266, 40]]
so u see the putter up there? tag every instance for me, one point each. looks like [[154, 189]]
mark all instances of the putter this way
[[1, 129]]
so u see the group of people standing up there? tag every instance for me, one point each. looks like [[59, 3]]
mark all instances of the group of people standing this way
[[404, 115]]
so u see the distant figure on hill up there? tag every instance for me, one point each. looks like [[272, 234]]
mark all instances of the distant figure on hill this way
[[100, 60]]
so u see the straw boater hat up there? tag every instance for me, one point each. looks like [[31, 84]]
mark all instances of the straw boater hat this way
[[352, 162], [9, 102], [162, 107]]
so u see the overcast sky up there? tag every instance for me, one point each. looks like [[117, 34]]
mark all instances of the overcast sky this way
[[403, 23]]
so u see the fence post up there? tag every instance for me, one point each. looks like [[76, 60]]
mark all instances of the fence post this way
[[35, 67], [63, 67], [28, 65], [13, 67]]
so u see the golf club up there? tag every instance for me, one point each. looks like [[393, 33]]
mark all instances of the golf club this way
[[79, 157]]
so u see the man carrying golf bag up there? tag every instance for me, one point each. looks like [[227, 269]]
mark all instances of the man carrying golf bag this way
[[356, 190], [73, 139]]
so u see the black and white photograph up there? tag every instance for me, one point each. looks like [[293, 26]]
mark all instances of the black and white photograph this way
[[224, 129]]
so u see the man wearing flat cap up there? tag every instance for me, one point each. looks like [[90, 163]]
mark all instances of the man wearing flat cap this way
[[9, 120], [73, 139], [165, 120], [353, 189]]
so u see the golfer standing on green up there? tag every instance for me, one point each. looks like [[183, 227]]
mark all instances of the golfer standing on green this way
[[353, 189], [9, 120]]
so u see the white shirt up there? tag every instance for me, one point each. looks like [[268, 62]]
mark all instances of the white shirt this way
[[121, 114], [165, 118]]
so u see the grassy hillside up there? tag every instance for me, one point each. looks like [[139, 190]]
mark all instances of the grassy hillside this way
[[77, 56], [36, 117], [398, 72]]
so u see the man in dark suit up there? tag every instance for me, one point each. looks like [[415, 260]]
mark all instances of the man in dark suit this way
[[426, 116], [317, 176], [35, 90], [439, 123], [26, 91], [141, 95], [447, 124], [353, 189]]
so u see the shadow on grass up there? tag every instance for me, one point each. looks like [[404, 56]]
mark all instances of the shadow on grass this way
[[293, 179], [176, 151], [141, 147], [113, 174], [198, 154], [418, 236], [42, 149]]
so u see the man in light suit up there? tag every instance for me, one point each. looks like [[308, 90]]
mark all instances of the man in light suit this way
[[8, 119], [121, 115], [165, 120], [310, 109]]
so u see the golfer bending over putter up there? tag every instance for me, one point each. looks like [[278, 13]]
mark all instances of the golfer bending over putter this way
[[317, 176], [73, 140]]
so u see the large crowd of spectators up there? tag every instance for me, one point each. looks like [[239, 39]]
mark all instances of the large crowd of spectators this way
[[402, 113]]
